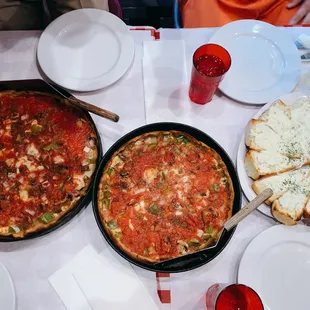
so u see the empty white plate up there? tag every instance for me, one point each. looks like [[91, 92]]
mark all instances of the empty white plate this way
[[7, 291], [85, 50], [265, 61], [276, 265]]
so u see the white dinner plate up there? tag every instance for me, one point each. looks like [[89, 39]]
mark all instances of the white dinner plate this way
[[276, 264], [265, 61], [85, 50], [7, 291], [245, 181]]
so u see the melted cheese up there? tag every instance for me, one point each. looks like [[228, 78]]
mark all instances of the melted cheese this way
[[8, 126], [139, 191], [180, 195], [140, 206], [23, 194], [32, 150], [78, 180], [151, 140], [89, 173], [116, 160], [86, 149], [44, 199], [200, 233], [175, 171], [90, 154], [293, 203], [58, 159], [150, 175], [130, 225], [11, 175], [277, 117], [269, 162], [300, 111], [10, 162], [31, 166]]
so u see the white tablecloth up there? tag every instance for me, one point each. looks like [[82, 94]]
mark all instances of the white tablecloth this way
[[32, 262]]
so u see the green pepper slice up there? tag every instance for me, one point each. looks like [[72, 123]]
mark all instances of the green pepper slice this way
[[51, 147], [47, 217], [112, 224], [153, 209]]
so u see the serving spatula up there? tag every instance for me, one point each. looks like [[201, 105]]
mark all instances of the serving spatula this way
[[229, 225], [86, 106]]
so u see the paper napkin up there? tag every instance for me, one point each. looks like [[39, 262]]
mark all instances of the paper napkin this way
[[109, 282], [165, 81], [105, 281], [65, 285]]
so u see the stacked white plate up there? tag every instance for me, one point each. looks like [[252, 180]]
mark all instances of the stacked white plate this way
[[265, 61], [276, 265], [85, 50]]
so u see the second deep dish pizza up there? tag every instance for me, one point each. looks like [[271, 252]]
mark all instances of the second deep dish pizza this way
[[48, 153], [164, 194]]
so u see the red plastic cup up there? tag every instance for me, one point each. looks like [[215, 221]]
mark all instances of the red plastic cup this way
[[204, 82], [232, 297]]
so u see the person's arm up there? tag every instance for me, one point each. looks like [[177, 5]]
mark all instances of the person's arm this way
[[303, 14]]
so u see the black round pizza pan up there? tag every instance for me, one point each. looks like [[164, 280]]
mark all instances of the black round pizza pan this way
[[81, 204], [184, 263]]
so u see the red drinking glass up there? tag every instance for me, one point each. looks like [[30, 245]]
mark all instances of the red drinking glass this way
[[210, 63], [232, 297]]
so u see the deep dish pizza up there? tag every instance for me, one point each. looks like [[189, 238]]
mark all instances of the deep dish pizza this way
[[48, 153], [163, 195]]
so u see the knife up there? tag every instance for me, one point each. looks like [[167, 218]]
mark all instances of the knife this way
[[305, 57]]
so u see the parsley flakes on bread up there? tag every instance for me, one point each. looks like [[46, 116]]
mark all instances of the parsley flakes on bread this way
[[278, 157]]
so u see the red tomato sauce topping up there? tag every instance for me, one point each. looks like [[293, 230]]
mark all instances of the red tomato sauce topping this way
[[41, 148], [168, 197]]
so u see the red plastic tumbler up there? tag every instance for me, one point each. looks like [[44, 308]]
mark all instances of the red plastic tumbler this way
[[232, 297], [210, 63]]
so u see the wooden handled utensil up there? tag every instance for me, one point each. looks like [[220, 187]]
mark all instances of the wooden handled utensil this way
[[247, 209], [86, 106], [230, 224], [94, 109]]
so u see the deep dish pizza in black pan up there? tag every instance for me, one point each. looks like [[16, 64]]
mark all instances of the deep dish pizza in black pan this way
[[164, 191], [49, 153]]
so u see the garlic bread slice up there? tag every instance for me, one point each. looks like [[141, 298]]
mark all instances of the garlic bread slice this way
[[258, 164]]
